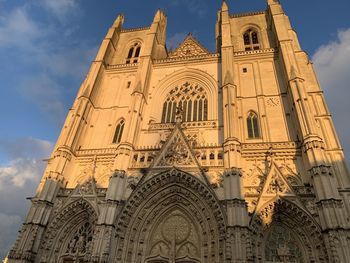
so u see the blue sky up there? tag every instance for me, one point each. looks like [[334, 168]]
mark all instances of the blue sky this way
[[46, 47]]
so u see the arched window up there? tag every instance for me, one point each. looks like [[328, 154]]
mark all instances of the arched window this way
[[119, 132], [253, 125], [134, 53], [191, 99], [251, 40]]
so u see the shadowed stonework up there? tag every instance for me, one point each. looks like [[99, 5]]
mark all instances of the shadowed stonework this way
[[195, 157]]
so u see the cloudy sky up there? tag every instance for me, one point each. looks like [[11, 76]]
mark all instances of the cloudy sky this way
[[46, 47]]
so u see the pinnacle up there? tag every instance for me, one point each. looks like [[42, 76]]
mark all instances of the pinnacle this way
[[224, 6], [119, 21]]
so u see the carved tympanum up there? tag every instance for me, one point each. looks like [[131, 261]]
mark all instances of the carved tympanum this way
[[174, 239]]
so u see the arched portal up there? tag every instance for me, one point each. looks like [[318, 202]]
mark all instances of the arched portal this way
[[284, 232], [69, 236], [171, 217]]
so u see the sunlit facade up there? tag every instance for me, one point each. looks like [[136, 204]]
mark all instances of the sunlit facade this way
[[188, 156]]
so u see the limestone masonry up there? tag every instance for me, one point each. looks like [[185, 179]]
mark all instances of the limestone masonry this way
[[188, 156]]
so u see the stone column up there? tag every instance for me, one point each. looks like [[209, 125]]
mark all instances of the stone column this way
[[30, 237], [104, 235]]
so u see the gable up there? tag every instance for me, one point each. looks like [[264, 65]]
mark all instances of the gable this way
[[176, 152], [188, 48]]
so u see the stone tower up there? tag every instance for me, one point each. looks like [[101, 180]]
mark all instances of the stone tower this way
[[195, 157]]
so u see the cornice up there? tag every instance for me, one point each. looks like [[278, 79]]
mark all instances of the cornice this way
[[122, 67], [247, 14], [127, 30], [255, 52], [193, 59]]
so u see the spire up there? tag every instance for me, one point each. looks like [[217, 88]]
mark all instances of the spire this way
[[224, 6], [119, 21]]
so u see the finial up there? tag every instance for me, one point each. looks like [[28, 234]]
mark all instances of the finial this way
[[271, 2], [119, 21], [158, 16], [224, 6]]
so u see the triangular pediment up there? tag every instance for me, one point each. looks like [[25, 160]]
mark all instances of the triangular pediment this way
[[276, 183], [176, 152], [274, 187], [188, 48]]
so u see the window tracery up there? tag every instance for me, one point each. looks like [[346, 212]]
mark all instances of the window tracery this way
[[79, 244], [119, 132], [191, 98], [253, 125], [281, 246], [251, 40], [133, 54], [174, 240]]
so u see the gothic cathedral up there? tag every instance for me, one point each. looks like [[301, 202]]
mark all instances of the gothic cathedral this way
[[188, 156]]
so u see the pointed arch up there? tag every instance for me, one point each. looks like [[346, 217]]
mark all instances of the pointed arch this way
[[304, 230], [251, 38], [69, 235], [119, 131], [204, 81], [133, 53], [156, 202], [253, 127]]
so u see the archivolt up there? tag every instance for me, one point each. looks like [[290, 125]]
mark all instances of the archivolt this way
[[67, 219], [297, 220], [156, 198]]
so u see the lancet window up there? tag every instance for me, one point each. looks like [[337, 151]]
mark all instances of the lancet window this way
[[251, 40], [134, 53], [119, 132], [189, 98], [253, 125]]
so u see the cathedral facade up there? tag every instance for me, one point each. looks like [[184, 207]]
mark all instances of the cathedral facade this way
[[195, 157]]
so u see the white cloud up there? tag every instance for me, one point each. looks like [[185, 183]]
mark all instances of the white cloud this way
[[19, 178], [40, 47], [17, 29], [26, 147], [332, 64], [18, 172], [25, 163], [60, 8]]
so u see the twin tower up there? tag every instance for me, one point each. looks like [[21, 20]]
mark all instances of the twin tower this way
[[195, 157]]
